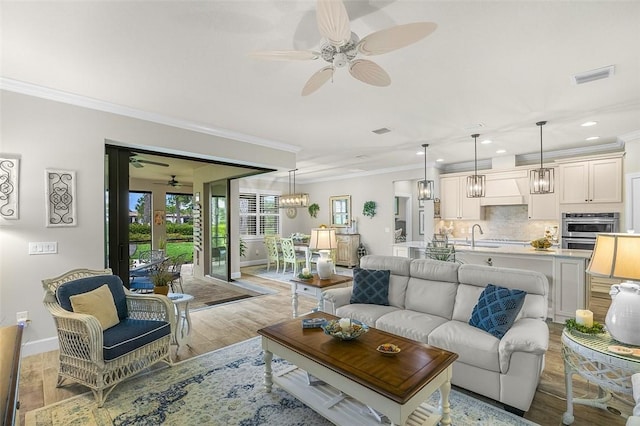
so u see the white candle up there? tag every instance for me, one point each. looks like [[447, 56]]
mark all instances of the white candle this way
[[584, 317], [345, 324], [305, 271]]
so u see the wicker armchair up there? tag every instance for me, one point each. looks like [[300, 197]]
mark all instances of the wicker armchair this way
[[97, 358]]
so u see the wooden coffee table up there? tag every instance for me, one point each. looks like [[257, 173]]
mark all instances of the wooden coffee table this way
[[395, 386], [314, 287]]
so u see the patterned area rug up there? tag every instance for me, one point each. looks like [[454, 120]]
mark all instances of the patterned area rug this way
[[223, 387], [261, 271]]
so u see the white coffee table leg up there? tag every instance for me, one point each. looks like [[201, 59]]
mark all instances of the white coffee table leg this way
[[268, 378], [445, 408]]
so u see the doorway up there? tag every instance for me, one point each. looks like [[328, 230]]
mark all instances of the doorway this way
[[219, 230]]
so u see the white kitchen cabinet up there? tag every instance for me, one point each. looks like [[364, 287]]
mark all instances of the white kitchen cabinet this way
[[454, 203], [544, 207], [347, 250], [591, 181]]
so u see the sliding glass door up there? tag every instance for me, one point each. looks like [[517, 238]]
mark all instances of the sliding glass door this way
[[219, 230]]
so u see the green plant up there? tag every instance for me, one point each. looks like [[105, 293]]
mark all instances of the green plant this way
[[369, 208], [313, 210], [243, 247], [571, 324], [162, 243], [161, 277]]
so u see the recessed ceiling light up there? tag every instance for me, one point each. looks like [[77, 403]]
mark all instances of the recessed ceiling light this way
[[501, 151], [592, 138], [420, 153], [440, 160], [486, 141], [589, 123]]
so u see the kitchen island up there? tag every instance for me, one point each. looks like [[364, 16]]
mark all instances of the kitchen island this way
[[565, 269]]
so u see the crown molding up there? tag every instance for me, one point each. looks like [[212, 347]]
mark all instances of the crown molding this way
[[37, 91], [630, 137]]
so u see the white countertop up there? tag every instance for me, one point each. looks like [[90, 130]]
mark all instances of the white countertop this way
[[511, 247]]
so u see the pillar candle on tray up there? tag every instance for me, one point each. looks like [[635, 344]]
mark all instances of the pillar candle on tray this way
[[345, 324], [305, 271], [584, 317]]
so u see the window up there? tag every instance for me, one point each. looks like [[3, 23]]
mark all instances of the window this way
[[259, 214]]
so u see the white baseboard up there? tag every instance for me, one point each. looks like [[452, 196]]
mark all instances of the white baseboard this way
[[253, 262], [39, 346]]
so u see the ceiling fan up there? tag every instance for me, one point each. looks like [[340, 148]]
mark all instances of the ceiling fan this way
[[140, 162], [342, 46], [172, 182]]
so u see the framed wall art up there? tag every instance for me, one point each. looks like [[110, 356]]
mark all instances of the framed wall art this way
[[9, 183], [60, 193]]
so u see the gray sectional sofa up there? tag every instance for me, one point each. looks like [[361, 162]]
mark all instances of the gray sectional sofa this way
[[432, 301]]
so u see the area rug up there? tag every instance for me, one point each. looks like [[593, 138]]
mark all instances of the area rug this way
[[223, 387], [261, 271]]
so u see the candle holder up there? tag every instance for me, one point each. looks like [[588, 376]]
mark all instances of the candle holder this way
[[334, 329]]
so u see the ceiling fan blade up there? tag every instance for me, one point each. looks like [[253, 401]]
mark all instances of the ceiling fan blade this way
[[286, 55], [369, 72], [333, 21], [155, 163], [395, 37], [317, 80]]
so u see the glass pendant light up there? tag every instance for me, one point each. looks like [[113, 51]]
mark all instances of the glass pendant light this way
[[293, 199], [475, 183], [425, 187], [541, 180]]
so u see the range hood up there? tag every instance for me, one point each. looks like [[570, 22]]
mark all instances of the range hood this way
[[505, 192]]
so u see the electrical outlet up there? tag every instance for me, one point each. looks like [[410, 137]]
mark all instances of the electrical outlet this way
[[257, 252], [22, 317]]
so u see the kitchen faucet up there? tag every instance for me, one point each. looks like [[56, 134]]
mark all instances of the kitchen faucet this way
[[473, 234]]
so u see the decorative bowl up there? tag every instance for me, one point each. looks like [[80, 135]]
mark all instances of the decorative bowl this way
[[333, 329], [541, 244], [388, 349]]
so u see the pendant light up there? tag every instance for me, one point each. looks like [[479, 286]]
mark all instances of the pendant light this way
[[475, 183], [425, 187], [292, 199], [541, 180]]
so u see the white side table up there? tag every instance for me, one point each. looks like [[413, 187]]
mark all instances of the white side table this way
[[313, 287], [589, 357], [183, 319]]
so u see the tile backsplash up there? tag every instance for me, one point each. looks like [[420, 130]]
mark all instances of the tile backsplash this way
[[500, 222]]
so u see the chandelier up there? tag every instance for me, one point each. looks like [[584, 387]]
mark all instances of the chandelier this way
[[541, 180], [425, 187], [293, 199], [475, 183]]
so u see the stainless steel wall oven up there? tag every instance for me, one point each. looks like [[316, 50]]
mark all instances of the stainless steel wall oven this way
[[579, 229]]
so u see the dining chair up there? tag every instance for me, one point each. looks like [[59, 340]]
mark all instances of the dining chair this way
[[273, 255], [175, 269], [289, 255]]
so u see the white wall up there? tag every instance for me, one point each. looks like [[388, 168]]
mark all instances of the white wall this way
[[47, 134]]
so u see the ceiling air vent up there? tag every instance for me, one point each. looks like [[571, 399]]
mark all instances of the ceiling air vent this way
[[593, 75], [381, 131]]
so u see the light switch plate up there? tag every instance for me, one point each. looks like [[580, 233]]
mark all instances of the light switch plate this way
[[50, 247]]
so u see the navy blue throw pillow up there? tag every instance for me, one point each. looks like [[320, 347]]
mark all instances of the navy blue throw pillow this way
[[497, 309], [370, 286]]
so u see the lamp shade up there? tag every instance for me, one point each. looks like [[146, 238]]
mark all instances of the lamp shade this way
[[323, 239], [616, 256]]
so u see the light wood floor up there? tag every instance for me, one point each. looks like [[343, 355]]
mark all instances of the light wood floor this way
[[223, 325]]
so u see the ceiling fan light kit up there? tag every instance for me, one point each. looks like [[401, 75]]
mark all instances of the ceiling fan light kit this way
[[425, 187], [293, 199], [476, 183], [342, 46], [541, 180]]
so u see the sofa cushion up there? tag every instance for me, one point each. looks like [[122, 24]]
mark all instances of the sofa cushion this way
[[431, 297], [411, 324], [399, 267], [98, 303], [367, 314], [473, 346], [370, 286], [130, 334], [83, 285], [497, 309]]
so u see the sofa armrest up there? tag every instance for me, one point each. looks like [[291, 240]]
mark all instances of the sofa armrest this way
[[333, 298], [526, 335]]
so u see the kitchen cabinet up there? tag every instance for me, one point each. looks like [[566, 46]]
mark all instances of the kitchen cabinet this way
[[599, 288], [347, 250], [454, 203], [565, 274], [591, 181], [544, 207]]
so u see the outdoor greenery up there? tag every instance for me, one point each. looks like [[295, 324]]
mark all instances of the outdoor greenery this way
[[172, 250]]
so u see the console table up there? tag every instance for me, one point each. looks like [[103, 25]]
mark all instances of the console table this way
[[313, 287], [588, 356]]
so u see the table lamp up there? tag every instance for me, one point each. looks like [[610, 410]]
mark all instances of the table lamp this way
[[618, 256], [323, 240]]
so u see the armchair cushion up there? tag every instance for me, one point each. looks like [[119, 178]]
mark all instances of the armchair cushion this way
[[98, 303], [130, 334], [84, 285]]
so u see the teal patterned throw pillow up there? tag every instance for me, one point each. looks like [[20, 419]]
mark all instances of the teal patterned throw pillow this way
[[497, 309], [370, 286]]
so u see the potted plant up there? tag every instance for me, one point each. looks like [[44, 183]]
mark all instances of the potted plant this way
[[314, 209], [161, 279], [369, 208]]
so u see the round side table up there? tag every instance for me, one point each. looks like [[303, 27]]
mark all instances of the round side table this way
[[183, 319], [587, 355]]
